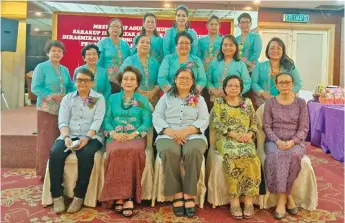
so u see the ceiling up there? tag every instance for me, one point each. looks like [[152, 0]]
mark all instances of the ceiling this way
[[223, 9]]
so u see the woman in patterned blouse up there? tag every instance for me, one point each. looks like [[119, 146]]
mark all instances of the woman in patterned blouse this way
[[234, 122]]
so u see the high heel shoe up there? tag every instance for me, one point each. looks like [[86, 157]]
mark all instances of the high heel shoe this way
[[190, 212], [130, 210], [178, 211]]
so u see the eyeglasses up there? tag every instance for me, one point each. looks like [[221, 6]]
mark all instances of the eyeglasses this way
[[115, 27], [185, 79], [233, 86], [184, 43], [91, 54], [86, 81], [284, 83], [245, 22]]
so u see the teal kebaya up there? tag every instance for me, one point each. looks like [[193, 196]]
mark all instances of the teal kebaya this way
[[208, 50], [156, 50], [169, 44]]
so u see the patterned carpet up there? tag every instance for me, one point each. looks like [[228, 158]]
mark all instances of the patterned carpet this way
[[21, 194]]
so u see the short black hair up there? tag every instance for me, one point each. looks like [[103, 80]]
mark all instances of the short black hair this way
[[54, 43], [226, 80], [132, 69], [86, 72], [139, 37], [89, 47], [244, 15], [213, 17], [185, 34], [112, 20], [281, 74]]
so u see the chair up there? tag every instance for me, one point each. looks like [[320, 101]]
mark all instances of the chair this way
[[70, 178], [304, 189], [159, 179]]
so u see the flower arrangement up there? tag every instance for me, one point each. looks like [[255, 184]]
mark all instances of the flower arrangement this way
[[90, 101], [192, 100], [191, 65]]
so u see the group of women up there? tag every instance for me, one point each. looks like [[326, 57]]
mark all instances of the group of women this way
[[197, 76]]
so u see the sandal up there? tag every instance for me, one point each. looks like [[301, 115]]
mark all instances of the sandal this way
[[178, 211], [130, 210], [248, 211], [190, 212], [235, 211], [118, 207]]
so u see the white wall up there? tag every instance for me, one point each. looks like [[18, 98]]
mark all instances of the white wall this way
[[342, 54]]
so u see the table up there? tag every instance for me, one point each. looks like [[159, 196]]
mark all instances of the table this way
[[327, 128]]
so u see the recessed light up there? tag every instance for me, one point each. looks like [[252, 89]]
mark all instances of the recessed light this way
[[37, 29], [248, 8], [256, 2], [167, 5], [38, 13]]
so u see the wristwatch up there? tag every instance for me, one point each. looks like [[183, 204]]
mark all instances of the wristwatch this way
[[64, 137]]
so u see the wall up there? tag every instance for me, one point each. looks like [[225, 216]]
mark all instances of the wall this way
[[342, 54], [13, 63], [315, 17]]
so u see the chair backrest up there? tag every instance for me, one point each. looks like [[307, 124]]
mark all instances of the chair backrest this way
[[260, 137]]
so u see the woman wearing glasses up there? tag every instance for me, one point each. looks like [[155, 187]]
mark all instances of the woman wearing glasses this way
[[264, 73], [181, 23], [250, 43], [180, 119], [149, 29], [227, 63], [286, 125], [90, 54], [234, 122], [114, 51], [148, 67], [182, 58], [50, 82]]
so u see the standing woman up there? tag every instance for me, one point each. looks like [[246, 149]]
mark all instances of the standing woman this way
[[90, 54], [227, 63], [149, 28], [148, 67], [114, 51], [250, 44], [209, 45], [182, 58], [50, 82], [181, 23], [265, 73]]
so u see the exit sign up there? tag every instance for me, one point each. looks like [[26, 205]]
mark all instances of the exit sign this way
[[296, 18]]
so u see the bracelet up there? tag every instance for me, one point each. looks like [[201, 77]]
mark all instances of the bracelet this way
[[112, 133], [88, 137]]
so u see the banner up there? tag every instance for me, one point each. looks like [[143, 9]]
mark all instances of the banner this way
[[78, 30]]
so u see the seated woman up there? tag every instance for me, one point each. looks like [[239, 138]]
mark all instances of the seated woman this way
[[128, 118], [148, 66], [227, 63], [182, 58], [80, 118], [180, 119], [264, 74], [286, 125], [234, 121], [90, 54]]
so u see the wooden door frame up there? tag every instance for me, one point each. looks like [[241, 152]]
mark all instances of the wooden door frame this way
[[330, 28]]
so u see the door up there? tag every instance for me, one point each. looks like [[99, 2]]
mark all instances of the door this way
[[310, 53]]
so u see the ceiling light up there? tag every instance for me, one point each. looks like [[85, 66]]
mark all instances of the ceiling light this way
[[167, 5], [256, 2], [37, 29], [247, 8], [38, 13]]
